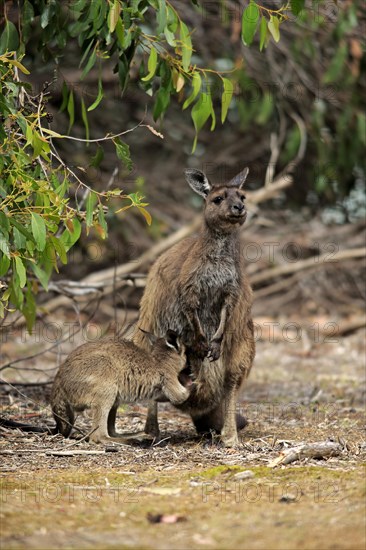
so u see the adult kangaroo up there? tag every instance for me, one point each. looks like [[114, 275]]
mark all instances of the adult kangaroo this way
[[199, 289]]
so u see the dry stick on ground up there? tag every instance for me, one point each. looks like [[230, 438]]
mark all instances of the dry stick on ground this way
[[319, 449], [106, 275]]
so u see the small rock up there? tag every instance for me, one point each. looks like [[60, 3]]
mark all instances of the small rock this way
[[247, 474]]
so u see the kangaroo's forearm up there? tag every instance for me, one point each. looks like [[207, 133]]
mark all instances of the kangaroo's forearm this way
[[218, 336]]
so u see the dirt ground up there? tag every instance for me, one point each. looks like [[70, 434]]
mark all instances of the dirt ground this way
[[188, 492]]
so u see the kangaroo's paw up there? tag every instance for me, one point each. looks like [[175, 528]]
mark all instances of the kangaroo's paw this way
[[214, 351]]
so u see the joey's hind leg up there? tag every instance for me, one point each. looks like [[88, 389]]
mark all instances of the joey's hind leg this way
[[64, 417], [111, 422], [152, 424], [100, 423]]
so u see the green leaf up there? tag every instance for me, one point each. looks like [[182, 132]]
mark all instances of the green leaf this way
[[151, 64], [249, 23], [45, 15], [186, 45], [39, 231], [68, 237], [84, 116], [263, 33], [41, 275], [99, 96], [4, 245], [170, 37], [274, 27], [123, 153], [226, 97], [120, 32], [65, 96], [98, 157], [29, 309], [102, 222], [60, 249], [297, 6], [201, 111], [71, 110], [9, 39], [90, 64], [90, 203], [20, 270], [4, 264], [19, 239], [161, 16], [20, 228], [4, 223], [162, 101], [113, 15], [196, 84], [361, 127], [16, 296], [86, 52], [38, 144]]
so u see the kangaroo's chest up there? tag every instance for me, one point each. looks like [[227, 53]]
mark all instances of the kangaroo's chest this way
[[216, 277]]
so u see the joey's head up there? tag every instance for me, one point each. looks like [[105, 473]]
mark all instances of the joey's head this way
[[224, 208], [170, 353], [168, 350]]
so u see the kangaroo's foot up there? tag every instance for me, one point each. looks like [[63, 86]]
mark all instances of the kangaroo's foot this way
[[230, 440]]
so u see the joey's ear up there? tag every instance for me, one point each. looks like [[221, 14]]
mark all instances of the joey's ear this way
[[198, 181], [151, 337], [171, 339], [239, 179]]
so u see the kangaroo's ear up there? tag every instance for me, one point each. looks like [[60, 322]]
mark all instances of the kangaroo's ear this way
[[198, 181], [151, 337], [239, 179], [171, 340]]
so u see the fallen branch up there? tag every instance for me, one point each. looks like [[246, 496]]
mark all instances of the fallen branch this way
[[314, 261], [73, 453], [319, 449], [49, 452]]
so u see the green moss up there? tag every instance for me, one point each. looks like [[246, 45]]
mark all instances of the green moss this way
[[219, 471]]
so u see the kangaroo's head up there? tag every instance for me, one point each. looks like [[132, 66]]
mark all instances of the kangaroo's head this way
[[224, 204]]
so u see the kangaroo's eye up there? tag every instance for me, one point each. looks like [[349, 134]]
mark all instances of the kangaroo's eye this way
[[217, 200], [243, 197]]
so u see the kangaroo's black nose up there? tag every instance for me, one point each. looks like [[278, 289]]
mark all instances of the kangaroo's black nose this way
[[237, 208]]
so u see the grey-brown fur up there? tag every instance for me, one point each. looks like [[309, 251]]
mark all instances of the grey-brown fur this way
[[101, 375], [199, 289]]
